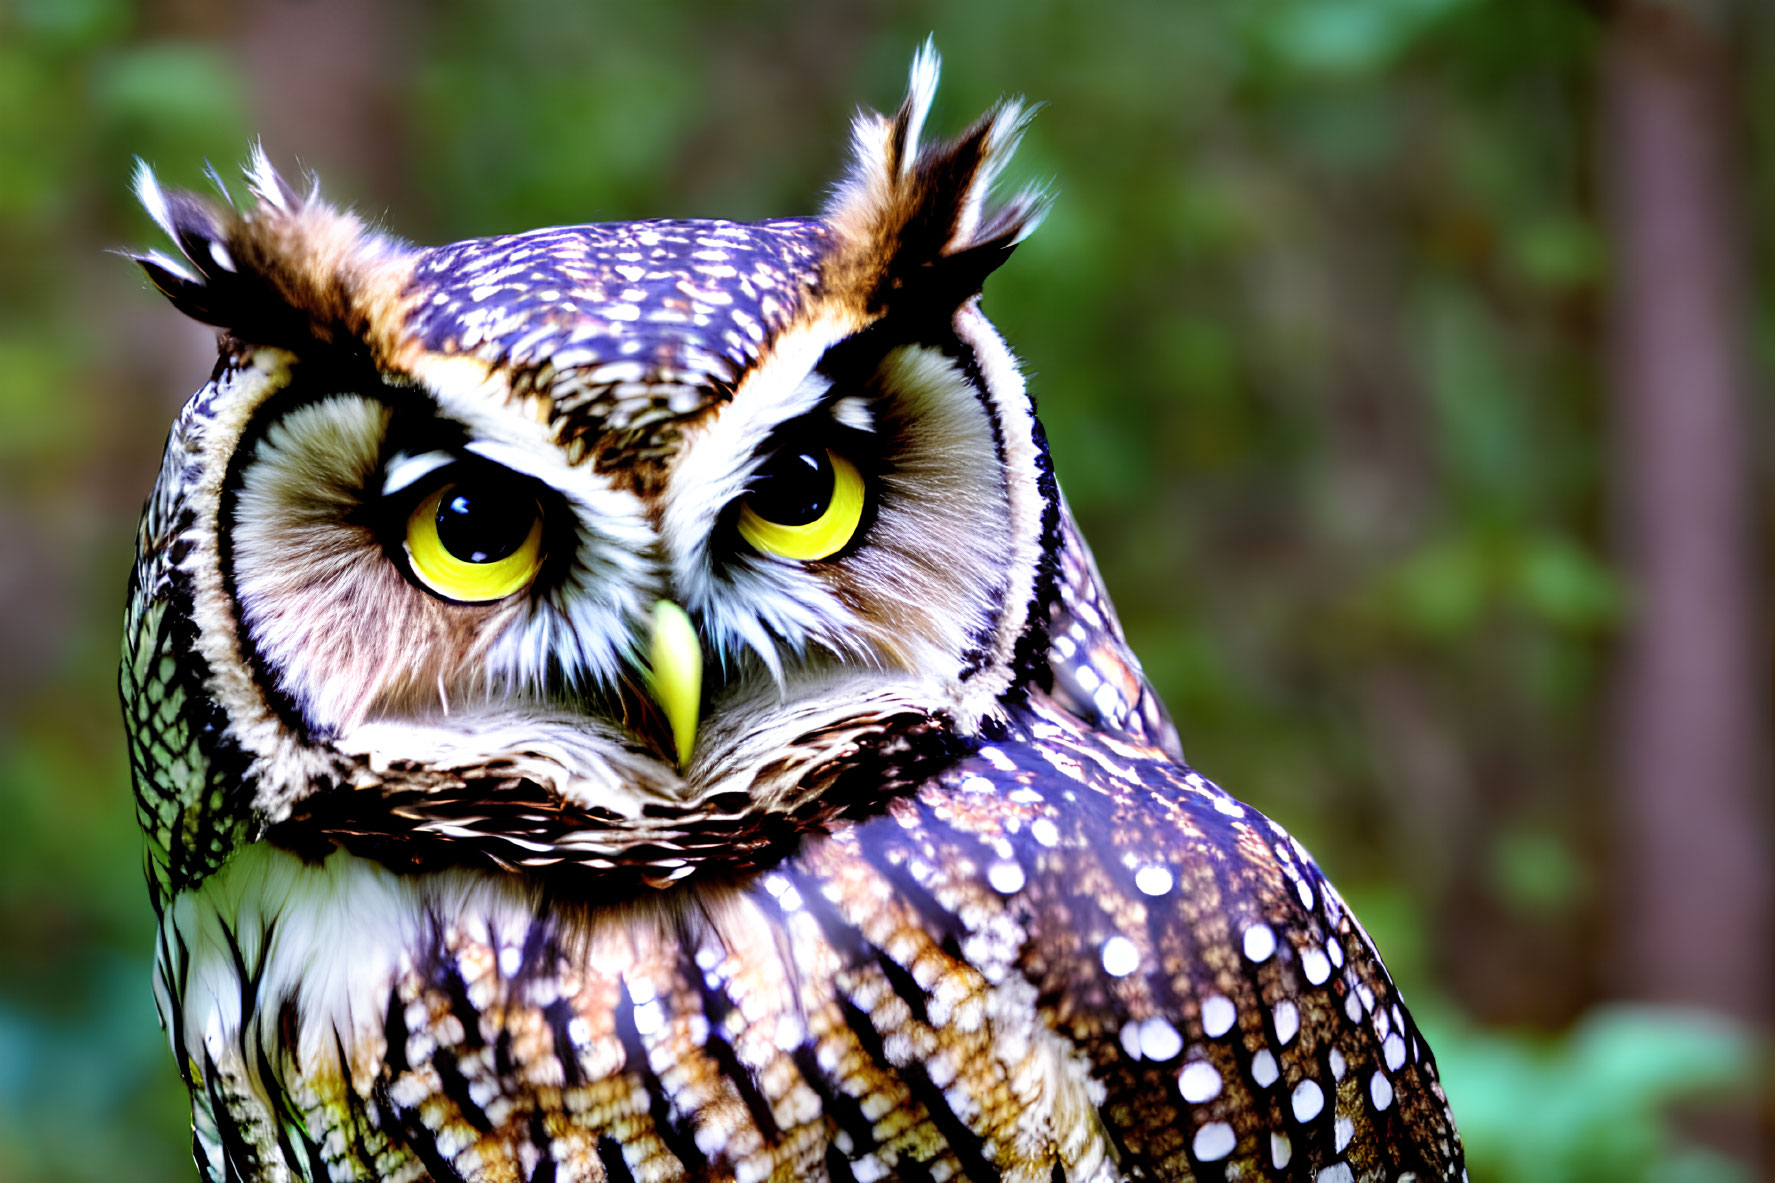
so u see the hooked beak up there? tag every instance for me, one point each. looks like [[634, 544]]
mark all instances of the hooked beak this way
[[676, 676]]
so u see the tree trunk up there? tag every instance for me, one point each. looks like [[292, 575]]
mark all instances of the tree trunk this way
[[1693, 894], [325, 75]]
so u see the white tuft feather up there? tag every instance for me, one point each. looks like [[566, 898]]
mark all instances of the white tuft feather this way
[[209, 170], [168, 263], [1008, 126], [153, 197], [263, 181], [921, 91], [1009, 123]]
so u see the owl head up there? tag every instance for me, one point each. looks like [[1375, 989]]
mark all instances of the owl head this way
[[634, 546]]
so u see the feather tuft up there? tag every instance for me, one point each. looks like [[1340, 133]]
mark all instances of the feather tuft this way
[[288, 268], [215, 179], [915, 216], [267, 186], [921, 92], [153, 197]]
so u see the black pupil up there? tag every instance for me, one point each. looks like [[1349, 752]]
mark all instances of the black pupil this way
[[483, 521], [794, 487]]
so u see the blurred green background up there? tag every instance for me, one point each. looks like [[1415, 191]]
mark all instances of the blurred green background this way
[[1318, 328]]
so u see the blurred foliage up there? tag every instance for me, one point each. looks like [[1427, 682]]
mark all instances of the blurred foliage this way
[[1592, 1104], [1314, 331], [1597, 1101]]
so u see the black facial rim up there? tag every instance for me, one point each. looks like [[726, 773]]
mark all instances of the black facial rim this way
[[312, 381]]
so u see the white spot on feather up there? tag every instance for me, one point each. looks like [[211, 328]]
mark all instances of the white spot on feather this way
[[1287, 1021], [1214, 1141], [649, 1019], [1260, 942], [1006, 878], [1152, 880], [1307, 1101], [1218, 1015], [1120, 956], [1131, 1039], [1199, 1082], [1380, 1090], [1159, 1040]]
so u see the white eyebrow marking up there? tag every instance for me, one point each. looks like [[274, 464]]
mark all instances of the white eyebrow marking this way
[[501, 453], [403, 470]]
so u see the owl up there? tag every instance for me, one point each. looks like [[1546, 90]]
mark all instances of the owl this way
[[629, 702]]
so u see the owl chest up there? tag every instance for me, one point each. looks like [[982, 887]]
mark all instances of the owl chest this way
[[801, 1025]]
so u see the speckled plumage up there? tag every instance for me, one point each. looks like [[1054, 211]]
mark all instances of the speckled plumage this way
[[628, 326], [934, 897]]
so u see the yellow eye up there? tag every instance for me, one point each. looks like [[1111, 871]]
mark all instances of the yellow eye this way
[[476, 540], [804, 504]]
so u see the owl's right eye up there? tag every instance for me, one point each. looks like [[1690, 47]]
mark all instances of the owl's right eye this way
[[805, 504], [476, 540]]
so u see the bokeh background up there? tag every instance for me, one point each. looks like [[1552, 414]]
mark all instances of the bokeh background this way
[[1406, 361]]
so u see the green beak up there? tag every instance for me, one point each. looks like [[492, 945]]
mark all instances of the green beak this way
[[676, 678]]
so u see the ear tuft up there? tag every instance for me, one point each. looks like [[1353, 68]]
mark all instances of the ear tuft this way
[[270, 189], [283, 269], [911, 215], [205, 268]]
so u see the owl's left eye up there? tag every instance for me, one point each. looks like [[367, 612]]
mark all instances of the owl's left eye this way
[[805, 504], [476, 540]]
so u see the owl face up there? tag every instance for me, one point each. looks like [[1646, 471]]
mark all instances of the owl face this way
[[642, 544]]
